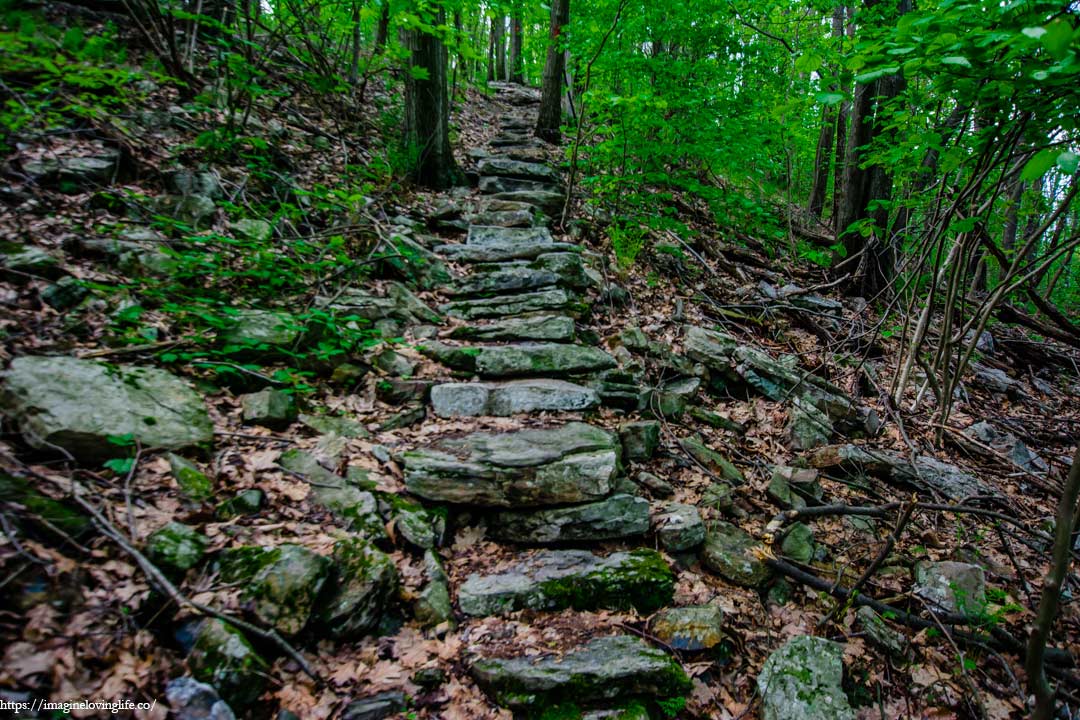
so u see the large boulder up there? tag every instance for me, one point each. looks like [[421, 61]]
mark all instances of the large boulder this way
[[618, 516], [77, 405], [510, 398], [803, 680], [603, 669], [578, 579], [575, 462]]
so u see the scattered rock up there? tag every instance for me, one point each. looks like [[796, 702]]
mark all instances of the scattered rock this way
[[712, 461], [798, 543], [1006, 444], [394, 363], [195, 211], [253, 229], [640, 440], [194, 182], [808, 427], [351, 503], [193, 482], [190, 699], [690, 629], [679, 527], [281, 582], [925, 474], [223, 657], [510, 398], [24, 258], [578, 579], [334, 425], [951, 586], [803, 679], [270, 408], [65, 293], [375, 707], [432, 606], [880, 633], [556, 328], [571, 463], [605, 668], [176, 546], [618, 516], [256, 329], [994, 380], [658, 487], [547, 201], [792, 488], [247, 502], [78, 404], [396, 391], [734, 555], [362, 584]]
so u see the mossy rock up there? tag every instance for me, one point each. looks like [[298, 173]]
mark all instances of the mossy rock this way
[[176, 546], [734, 555], [42, 508], [193, 482], [363, 581], [223, 657], [282, 583]]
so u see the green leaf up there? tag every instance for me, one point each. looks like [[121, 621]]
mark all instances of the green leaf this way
[[418, 73], [1068, 161], [956, 60], [120, 466], [1057, 38], [807, 63], [1038, 166], [869, 77], [829, 98]]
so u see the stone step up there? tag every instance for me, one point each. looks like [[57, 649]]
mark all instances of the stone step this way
[[619, 516], [508, 218], [565, 269], [510, 398], [601, 671], [485, 235], [522, 359], [492, 184], [554, 328], [503, 305], [516, 169], [512, 139], [578, 579], [498, 252], [571, 463], [549, 201]]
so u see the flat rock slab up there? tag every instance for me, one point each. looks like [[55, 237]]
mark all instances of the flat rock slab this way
[[578, 579], [498, 252], [494, 184], [507, 280], [572, 463], [734, 555], [618, 516], [693, 628], [504, 305], [495, 235], [78, 404], [803, 679], [510, 398], [533, 358], [926, 473], [548, 201], [505, 167], [556, 328], [604, 669]]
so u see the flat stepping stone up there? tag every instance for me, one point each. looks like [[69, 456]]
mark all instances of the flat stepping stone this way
[[494, 235], [571, 463], [533, 359], [506, 218], [490, 184], [578, 579], [505, 167], [503, 305], [498, 252], [510, 398], [604, 669], [925, 473], [548, 201], [555, 328], [618, 516], [510, 279]]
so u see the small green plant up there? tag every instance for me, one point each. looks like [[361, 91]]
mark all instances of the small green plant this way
[[627, 241]]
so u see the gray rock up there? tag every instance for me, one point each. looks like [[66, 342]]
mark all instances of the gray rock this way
[[254, 328], [500, 252], [691, 629], [376, 707], [529, 358], [269, 408], [679, 527], [926, 473], [734, 555], [1006, 444], [507, 280], [193, 482], [568, 266], [578, 579], [803, 679], [196, 211], [808, 427], [334, 425], [362, 584], [432, 606], [504, 167], [658, 487], [510, 398], [571, 463], [418, 527], [798, 543], [190, 699], [605, 668], [394, 363], [352, 504], [640, 440], [399, 304], [547, 201], [556, 328], [712, 461], [994, 380], [28, 259], [416, 264], [282, 583], [194, 182], [493, 235], [78, 404], [501, 305], [65, 293], [951, 586], [223, 657], [790, 487], [523, 217], [247, 502], [880, 633], [618, 516], [253, 229], [496, 185], [671, 398], [176, 546]]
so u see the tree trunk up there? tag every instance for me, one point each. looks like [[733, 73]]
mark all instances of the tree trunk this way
[[383, 28], [517, 64], [427, 109], [354, 63], [824, 155], [500, 48], [491, 52], [550, 116]]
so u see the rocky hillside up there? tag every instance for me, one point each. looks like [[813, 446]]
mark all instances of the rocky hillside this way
[[437, 455]]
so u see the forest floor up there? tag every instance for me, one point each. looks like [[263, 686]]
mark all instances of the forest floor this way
[[84, 620]]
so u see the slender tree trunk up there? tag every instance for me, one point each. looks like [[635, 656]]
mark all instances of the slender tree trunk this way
[[427, 109], [354, 63], [550, 116], [500, 48], [517, 64], [823, 157], [383, 28], [491, 52], [459, 61]]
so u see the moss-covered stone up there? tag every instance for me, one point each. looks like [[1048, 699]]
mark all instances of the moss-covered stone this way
[[432, 606], [176, 546], [362, 584], [270, 408], [640, 440], [193, 482], [282, 583], [712, 460], [346, 498], [223, 657], [39, 507], [803, 680], [247, 502], [734, 555]]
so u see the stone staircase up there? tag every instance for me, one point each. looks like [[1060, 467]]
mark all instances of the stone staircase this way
[[519, 351]]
